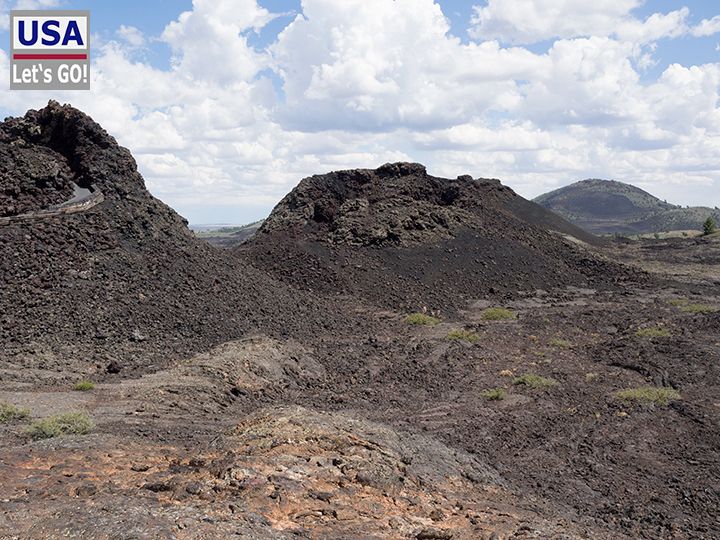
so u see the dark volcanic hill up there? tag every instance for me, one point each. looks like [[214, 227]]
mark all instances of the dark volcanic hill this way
[[608, 206], [399, 237], [122, 279]]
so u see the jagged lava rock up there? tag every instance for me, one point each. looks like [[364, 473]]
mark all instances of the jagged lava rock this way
[[399, 237]]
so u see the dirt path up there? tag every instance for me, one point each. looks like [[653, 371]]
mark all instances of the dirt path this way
[[80, 202]]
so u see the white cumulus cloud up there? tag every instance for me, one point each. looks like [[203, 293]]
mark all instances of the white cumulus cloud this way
[[376, 65], [131, 35], [707, 27], [531, 21], [210, 41], [229, 128]]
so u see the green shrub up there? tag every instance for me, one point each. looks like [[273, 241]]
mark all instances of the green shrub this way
[[84, 386], [11, 413], [421, 318], [463, 335], [560, 343], [652, 332], [660, 395], [494, 394], [72, 423], [709, 226], [534, 381], [498, 314]]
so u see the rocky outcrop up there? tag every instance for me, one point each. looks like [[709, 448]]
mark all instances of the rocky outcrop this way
[[399, 237], [30, 178]]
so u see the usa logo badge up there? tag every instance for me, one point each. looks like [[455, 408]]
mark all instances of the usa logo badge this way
[[50, 50]]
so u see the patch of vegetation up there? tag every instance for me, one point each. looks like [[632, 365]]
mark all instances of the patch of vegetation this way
[[72, 423], [652, 332], [709, 227], [498, 314], [534, 381], [11, 413], [659, 395], [421, 318], [463, 335], [590, 377], [560, 343], [687, 307], [494, 394], [84, 386], [697, 308]]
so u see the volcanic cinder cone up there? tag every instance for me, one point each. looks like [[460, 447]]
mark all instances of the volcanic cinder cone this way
[[117, 278], [401, 238]]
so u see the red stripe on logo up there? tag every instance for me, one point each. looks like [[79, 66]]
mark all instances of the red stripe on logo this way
[[50, 56]]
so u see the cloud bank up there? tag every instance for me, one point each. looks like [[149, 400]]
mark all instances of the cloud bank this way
[[232, 127]]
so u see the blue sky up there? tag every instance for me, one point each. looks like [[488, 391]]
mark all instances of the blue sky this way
[[152, 16], [225, 114]]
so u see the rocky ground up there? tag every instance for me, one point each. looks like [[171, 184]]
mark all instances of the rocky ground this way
[[237, 398], [689, 260], [271, 439]]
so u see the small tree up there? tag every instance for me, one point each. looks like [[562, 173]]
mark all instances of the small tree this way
[[709, 226]]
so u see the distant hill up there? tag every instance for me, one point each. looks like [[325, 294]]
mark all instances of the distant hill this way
[[608, 206], [226, 236]]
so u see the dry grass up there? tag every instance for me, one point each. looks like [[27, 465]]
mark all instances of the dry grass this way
[[653, 332], [659, 395], [11, 413], [498, 314], [494, 394], [72, 423], [421, 318], [463, 335], [687, 307], [84, 386], [698, 308], [560, 343]]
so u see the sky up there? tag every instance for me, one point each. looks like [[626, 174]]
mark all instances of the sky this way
[[227, 104]]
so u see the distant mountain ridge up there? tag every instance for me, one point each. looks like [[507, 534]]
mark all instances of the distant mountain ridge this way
[[608, 206]]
